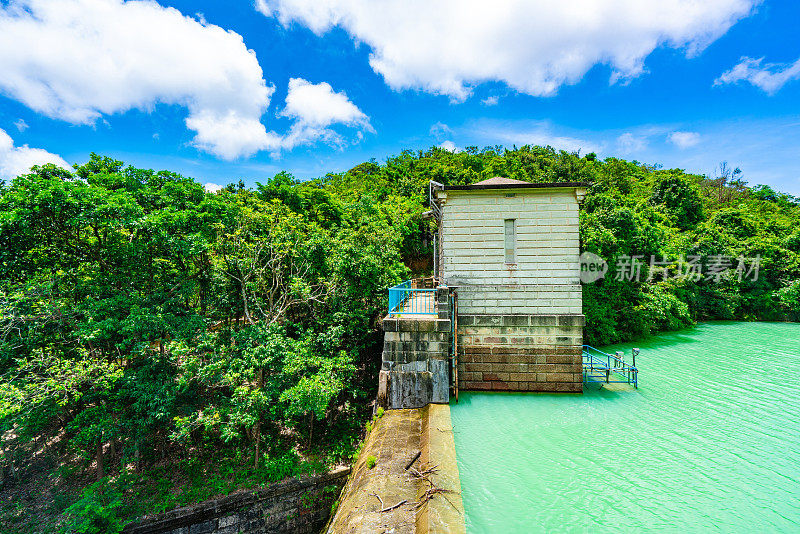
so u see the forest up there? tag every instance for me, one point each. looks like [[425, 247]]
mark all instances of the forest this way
[[161, 344]]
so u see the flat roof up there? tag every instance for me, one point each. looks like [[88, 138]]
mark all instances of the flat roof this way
[[521, 185]]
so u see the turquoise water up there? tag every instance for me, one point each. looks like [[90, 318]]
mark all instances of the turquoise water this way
[[709, 443]]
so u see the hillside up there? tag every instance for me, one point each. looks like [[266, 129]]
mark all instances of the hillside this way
[[172, 344]]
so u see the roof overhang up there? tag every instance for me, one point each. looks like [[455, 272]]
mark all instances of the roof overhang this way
[[551, 185]]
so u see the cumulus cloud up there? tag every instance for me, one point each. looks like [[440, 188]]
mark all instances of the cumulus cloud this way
[[21, 125], [490, 100], [78, 60], [534, 46], [629, 143], [314, 108], [19, 160], [770, 77], [212, 187], [440, 130], [684, 139], [449, 146]]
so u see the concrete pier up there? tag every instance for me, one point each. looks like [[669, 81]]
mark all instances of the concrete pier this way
[[415, 359]]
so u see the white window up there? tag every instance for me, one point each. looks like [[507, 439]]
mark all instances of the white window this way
[[511, 241]]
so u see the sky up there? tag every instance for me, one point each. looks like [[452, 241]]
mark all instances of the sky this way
[[241, 90]]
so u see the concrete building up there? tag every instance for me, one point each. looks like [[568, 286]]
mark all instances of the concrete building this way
[[510, 251]]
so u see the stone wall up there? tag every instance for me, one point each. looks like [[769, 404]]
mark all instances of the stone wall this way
[[296, 505], [520, 352], [415, 361]]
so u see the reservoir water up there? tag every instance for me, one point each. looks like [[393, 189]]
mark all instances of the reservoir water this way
[[710, 442]]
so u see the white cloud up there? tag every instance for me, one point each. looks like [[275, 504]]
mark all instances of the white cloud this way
[[440, 130], [316, 107], [770, 78], [19, 160], [490, 100], [534, 46], [684, 139], [21, 125], [449, 146], [78, 60], [212, 187], [629, 143]]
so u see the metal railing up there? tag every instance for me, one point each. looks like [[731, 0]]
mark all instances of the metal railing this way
[[598, 366], [406, 299]]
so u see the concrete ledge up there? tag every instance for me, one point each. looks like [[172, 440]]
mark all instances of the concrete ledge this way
[[540, 387], [415, 324], [540, 350], [568, 319], [445, 512], [394, 441]]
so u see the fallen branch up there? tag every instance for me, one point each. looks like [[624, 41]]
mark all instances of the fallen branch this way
[[401, 503], [433, 488], [430, 492], [414, 459], [377, 497], [424, 474]]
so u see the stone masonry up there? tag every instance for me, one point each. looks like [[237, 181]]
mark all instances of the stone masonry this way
[[520, 352], [295, 505], [416, 351]]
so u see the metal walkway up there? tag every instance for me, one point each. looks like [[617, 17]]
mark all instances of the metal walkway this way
[[601, 367], [409, 300]]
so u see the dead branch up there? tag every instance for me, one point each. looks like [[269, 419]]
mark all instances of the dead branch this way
[[389, 509], [414, 459], [433, 488]]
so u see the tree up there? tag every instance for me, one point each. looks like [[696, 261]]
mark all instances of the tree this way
[[680, 199]]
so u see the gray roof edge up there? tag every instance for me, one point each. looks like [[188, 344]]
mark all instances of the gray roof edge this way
[[527, 185]]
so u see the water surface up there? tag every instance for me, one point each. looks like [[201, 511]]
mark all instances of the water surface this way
[[709, 443]]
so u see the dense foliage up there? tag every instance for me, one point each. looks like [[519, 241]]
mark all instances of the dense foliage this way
[[155, 331], [633, 210], [145, 320]]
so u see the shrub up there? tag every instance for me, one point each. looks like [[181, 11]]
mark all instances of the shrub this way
[[95, 512]]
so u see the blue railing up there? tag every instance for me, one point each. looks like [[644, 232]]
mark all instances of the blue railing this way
[[598, 366], [406, 299]]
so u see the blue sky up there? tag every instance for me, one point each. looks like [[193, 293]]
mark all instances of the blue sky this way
[[223, 91]]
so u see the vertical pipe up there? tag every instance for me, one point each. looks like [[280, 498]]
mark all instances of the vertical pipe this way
[[455, 337], [435, 258]]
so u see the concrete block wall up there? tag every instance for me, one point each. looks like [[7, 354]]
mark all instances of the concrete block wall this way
[[520, 352], [520, 324], [416, 359]]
